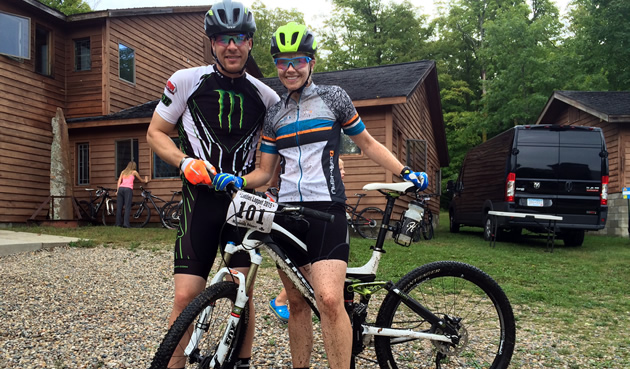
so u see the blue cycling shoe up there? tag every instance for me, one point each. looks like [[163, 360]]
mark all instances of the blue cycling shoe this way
[[281, 311]]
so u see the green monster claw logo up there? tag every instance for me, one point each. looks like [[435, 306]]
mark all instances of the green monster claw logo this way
[[232, 95]]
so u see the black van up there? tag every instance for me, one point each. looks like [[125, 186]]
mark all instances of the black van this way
[[546, 169]]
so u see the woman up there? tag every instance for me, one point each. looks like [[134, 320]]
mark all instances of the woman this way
[[124, 192], [304, 128]]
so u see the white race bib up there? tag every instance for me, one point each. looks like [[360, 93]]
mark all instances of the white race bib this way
[[251, 211]]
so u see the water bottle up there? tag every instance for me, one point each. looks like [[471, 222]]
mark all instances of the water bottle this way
[[410, 224]]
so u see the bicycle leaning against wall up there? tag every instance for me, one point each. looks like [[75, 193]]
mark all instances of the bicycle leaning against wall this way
[[444, 314], [99, 209], [366, 222], [141, 211]]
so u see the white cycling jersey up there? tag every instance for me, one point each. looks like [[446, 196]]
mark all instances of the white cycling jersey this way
[[307, 134], [219, 118]]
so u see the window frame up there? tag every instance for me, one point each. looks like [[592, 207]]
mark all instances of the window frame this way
[[78, 57], [133, 67], [156, 160], [134, 155], [21, 43], [83, 168], [45, 60]]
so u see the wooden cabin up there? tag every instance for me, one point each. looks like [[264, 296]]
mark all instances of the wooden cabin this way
[[88, 65], [399, 103], [609, 110]]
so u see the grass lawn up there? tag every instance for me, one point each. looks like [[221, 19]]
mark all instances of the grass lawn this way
[[576, 298]]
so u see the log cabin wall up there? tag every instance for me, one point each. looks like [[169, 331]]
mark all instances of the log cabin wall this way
[[162, 45], [29, 101]]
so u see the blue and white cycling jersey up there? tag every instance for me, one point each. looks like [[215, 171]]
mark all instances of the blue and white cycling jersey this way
[[307, 134]]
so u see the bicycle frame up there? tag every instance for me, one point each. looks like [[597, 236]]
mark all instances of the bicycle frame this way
[[254, 240]]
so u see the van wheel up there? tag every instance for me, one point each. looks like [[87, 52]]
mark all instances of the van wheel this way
[[488, 228], [573, 237], [454, 227]]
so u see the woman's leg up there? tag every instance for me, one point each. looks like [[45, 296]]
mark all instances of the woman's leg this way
[[128, 197], [300, 323], [120, 202]]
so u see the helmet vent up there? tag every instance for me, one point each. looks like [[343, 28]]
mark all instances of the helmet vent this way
[[294, 37], [237, 13], [222, 15]]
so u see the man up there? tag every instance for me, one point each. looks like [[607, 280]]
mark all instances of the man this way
[[218, 111]]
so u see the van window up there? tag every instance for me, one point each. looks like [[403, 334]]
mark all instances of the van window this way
[[536, 162]]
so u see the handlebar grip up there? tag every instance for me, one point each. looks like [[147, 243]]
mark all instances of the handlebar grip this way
[[318, 214]]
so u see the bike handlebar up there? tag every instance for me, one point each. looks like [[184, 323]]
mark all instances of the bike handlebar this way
[[284, 208]]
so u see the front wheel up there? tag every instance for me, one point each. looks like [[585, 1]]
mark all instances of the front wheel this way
[[140, 214], [207, 316], [368, 222], [465, 298], [170, 214]]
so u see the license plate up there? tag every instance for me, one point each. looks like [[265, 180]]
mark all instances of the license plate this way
[[535, 202]]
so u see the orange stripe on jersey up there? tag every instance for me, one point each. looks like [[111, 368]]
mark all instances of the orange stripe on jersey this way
[[352, 120], [305, 132], [268, 139]]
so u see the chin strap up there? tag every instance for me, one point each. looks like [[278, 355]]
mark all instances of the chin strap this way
[[299, 90]]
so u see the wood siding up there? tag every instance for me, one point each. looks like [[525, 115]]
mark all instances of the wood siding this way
[[29, 101], [576, 117], [162, 44]]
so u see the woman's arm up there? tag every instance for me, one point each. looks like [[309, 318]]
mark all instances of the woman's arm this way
[[264, 172]]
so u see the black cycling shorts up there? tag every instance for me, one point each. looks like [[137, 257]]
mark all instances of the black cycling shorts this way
[[202, 226], [324, 240]]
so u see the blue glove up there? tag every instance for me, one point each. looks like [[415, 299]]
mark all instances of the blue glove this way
[[419, 179], [221, 181]]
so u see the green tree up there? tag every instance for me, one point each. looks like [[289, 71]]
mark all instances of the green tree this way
[[267, 22], [599, 48], [68, 7], [363, 33]]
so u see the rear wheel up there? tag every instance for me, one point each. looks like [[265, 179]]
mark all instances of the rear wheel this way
[[573, 237], [427, 225], [368, 222], [140, 214], [170, 214], [460, 295], [488, 228]]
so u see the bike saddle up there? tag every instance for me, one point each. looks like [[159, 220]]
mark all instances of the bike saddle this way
[[398, 187]]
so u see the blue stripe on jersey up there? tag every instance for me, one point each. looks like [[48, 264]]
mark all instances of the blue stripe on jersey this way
[[291, 129], [355, 128], [269, 149]]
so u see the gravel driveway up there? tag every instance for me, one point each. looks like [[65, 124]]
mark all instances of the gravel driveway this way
[[108, 308]]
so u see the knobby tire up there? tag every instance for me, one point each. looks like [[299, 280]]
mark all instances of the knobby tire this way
[[170, 214], [455, 290], [222, 295], [140, 214]]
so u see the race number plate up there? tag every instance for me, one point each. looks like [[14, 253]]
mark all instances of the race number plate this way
[[535, 202], [251, 211]]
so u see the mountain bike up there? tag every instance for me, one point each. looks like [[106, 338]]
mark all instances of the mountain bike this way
[[426, 224], [444, 314], [141, 211], [98, 209], [172, 211], [367, 222]]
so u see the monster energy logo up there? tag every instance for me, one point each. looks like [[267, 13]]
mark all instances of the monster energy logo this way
[[233, 96]]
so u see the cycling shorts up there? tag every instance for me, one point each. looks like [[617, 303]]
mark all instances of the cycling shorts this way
[[202, 226], [324, 240]]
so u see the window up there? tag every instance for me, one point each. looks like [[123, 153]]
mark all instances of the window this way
[[15, 36], [42, 51], [126, 63], [348, 146], [162, 169], [82, 54], [417, 155], [83, 163], [126, 151]]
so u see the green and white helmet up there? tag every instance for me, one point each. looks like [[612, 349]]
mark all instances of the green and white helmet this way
[[292, 38]]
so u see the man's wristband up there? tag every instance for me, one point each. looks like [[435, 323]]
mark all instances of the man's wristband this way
[[182, 162]]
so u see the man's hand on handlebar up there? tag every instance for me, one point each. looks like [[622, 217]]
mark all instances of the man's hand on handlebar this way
[[222, 180], [196, 171], [419, 179]]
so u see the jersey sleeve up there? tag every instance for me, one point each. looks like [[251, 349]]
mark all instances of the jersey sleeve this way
[[346, 113], [268, 141], [173, 102]]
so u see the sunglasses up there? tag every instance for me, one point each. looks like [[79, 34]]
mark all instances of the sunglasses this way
[[224, 40], [297, 63]]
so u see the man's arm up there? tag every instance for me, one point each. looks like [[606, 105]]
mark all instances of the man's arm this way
[[158, 137]]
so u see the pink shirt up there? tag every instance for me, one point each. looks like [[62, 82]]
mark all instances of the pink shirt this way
[[127, 181]]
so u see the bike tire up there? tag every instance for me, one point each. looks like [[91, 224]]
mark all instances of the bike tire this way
[[427, 227], [170, 214], [368, 222], [109, 215], [140, 214], [448, 289], [221, 297]]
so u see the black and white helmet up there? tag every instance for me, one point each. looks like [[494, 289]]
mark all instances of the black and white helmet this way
[[229, 16]]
